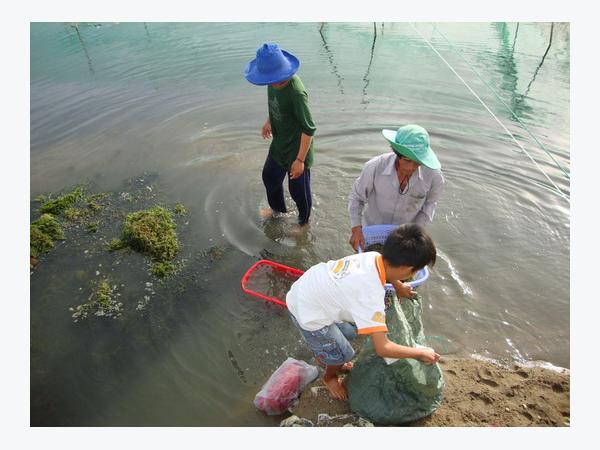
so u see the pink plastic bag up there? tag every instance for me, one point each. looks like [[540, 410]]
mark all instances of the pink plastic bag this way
[[282, 389]]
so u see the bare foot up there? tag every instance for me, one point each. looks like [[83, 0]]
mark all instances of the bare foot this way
[[345, 368], [299, 230], [266, 213], [335, 388]]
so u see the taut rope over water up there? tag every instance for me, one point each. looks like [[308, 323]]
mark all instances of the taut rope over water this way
[[561, 193]]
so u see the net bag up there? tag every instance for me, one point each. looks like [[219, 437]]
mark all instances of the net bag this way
[[405, 390]]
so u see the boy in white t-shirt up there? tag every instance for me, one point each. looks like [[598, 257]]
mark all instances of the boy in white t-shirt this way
[[334, 301]]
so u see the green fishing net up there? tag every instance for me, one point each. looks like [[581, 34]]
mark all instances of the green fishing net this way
[[405, 390]]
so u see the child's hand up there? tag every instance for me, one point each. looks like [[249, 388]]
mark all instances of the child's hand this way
[[296, 169], [266, 130], [403, 290], [428, 356]]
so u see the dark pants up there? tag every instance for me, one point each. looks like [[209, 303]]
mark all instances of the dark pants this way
[[273, 175]]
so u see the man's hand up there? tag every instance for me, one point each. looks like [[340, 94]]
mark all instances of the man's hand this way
[[296, 169], [266, 130], [428, 356], [357, 238], [403, 290]]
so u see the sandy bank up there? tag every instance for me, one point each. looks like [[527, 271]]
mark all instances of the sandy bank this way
[[477, 393]]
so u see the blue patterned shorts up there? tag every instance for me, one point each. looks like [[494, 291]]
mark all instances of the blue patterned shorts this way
[[330, 344]]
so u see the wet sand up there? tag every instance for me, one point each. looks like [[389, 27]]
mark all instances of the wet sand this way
[[477, 393]]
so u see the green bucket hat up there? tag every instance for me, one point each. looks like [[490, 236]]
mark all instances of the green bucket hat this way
[[412, 141]]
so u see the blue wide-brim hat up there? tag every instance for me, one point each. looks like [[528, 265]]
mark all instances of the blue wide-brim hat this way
[[412, 141], [271, 65]]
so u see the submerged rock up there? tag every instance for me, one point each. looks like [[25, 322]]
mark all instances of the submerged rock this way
[[295, 421], [342, 420]]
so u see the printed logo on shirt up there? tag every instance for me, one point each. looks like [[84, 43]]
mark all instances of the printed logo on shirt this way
[[340, 268], [378, 317]]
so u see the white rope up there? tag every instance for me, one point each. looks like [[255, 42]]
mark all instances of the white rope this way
[[561, 193], [503, 102]]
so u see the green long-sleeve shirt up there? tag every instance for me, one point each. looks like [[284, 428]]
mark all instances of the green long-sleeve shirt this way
[[290, 117]]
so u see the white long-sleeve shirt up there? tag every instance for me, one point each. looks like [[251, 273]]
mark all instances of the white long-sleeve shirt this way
[[378, 188]]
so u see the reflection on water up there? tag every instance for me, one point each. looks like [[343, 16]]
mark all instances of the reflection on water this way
[[89, 60], [366, 77], [508, 67], [112, 101], [541, 62], [334, 69]]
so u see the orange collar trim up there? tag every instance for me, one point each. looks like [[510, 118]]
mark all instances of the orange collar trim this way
[[380, 268]]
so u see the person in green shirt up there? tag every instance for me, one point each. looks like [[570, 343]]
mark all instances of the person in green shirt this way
[[291, 127]]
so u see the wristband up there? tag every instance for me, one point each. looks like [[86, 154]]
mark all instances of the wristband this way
[[300, 160]]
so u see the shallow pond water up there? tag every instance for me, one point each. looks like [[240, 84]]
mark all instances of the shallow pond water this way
[[112, 102]]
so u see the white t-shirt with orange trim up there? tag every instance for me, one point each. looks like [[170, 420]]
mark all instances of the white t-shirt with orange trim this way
[[346, 290]]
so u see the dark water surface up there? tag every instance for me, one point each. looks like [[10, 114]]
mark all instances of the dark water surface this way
[[114, 102]]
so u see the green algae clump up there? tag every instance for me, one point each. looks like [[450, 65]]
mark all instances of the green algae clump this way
[[116, 244], [43, 233], [74, 214], [152, 231], [162, 269], [63, 202], [92, 227], [180, 209], [39, 242], [101, 302]]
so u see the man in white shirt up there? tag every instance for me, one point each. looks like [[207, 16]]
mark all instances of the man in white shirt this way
[[399, 187], [334, 301]]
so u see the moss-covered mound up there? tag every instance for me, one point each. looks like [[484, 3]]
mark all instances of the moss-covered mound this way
[[42, 234], [152, 232]]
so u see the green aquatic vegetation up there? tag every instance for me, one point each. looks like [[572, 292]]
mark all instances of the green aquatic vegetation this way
[[94, 206], [92, 227], [103, 296], [93, 200], [43, 198], [39, 242], [116, 244], [74, 214], [97, 196], [102, 302], [49, 226], [63, 202], [152, 231], [43, 233], [162, 269], [180, 209]]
